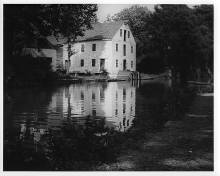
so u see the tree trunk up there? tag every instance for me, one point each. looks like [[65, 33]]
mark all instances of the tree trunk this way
[[69, 55], [210, 75], [198, 74], [69, 50]]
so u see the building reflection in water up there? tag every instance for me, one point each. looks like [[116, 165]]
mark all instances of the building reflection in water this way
[[115, 102]]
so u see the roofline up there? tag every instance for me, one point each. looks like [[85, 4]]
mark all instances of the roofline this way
[[93, 40], [87, 41], [129, 29], [106, 39]]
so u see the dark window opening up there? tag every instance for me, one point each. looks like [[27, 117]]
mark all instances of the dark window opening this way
[[124, 93], [82, 48], [124, 50], [93, 96], [124, 119], [82, 96], [120, 32], [116, 63], [124, 64], [94, 112], [93, 47], [82, 63], [116, 47], [93, 62], [102, 96], [124, 35], [124, 108]]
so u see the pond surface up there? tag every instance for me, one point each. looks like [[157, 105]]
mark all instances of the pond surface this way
[[80, 126]]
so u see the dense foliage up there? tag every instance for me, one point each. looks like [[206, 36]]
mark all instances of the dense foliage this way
[[24, 25], [174, 36]]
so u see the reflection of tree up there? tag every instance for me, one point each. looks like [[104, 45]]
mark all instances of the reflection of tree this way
[[68, 104], [159, 103], [77, 147], [81, 142], [20, 149]]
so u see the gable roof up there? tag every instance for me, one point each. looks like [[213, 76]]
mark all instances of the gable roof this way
[[101, 31]]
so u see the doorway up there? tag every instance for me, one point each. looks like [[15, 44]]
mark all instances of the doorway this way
[[102, 64], [124, 64]]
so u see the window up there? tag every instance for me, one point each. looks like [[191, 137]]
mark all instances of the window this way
[[128, 34], [82, 96], [94, 112], [117, 63], [93, 62], [124, 108], [93, 96], [116, 112], [93, 47], [82, 63], [82, 48], [131, 49], [131, 64], [102, 96], [120, 32], [124, 94], [116, 47], [124, 50], [124, 35]]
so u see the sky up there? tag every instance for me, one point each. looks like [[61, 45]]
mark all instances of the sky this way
[[111, 9]]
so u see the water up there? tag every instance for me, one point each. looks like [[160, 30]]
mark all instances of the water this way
[[80, 126]]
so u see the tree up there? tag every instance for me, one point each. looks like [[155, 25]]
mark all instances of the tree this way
[[108, 18], [71, 21], [174, 36], [172, 29], [24, 24], [136, 17], [204, 31], [182, 37]]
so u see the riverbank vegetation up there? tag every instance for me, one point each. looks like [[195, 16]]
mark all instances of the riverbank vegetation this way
[[162, 136], [25, 24], [175, 36]]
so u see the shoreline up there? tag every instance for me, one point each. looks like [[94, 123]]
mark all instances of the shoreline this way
[[182, 145]]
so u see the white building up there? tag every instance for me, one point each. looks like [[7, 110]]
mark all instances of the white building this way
[[108, 46]]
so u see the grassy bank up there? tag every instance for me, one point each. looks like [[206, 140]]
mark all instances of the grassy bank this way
[[185, 144]]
